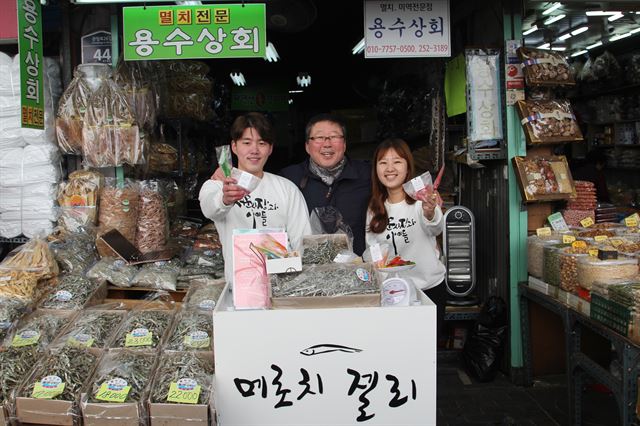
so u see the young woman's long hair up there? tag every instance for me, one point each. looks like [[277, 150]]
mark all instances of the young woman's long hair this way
[[379, 193]]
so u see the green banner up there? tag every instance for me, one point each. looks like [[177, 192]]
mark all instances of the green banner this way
[[189, 32], [31, 63]]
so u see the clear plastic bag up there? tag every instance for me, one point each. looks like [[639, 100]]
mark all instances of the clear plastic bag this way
[[323, 249], [15, 365], [92, 328], [329, 220], [192, 331], [418, 184], [70, 116], [75, 252], [116, 271], [174, 367], [204, 297], [144, 328], [78, 200], [545, 67], [160, 275], [138, 89], [38, 329], [549, 121], [73, 292], [119, 209], [153, 223], [223, 153], [245, 180]]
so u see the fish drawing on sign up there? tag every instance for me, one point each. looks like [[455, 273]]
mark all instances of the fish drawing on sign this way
[[327, 347]]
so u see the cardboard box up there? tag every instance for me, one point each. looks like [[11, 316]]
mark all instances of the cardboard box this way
[[96, 298], [4, 417], [327, 302], [303, 349], [66, 332], [286, 264]]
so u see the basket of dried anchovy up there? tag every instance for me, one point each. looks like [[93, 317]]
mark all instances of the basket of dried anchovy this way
[[92, 328], [144, 329], [39, 329], [119, 388], [322, 249], [74, 292], [192, 330], [204, 297]]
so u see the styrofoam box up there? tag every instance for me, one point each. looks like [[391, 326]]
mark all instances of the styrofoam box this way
[[325, 366]]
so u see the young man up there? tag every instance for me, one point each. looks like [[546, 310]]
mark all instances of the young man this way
[[329, 178], [275, 203]]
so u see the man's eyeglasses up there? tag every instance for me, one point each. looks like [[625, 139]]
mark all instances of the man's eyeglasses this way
[[332, 138]]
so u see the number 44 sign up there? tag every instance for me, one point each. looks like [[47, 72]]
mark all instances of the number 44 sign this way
[[96, 47]]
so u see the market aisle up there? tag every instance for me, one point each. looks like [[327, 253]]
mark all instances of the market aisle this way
[[502, 403]]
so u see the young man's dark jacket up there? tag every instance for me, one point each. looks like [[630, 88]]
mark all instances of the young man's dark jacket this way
[[349, 194]]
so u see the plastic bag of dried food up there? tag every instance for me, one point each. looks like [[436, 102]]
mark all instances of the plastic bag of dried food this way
[[244, 179], [72, 293], [204, 297], [418, 184], [119, 209], [76, 251], [143, 329], [191, 331], [187, 368], [329, 220], [137, 88], [161, 275], [78, 200], [548, 121], [153, 224], [71, 110], [335, 279], [606, 67], [38, 329], [185, 227], [116, 271], [60, 375], [10, 311], [545, 67], [122, 377], [223, 153], [163, 157], [92, 328], [110, 135], [321, 249], [15, 365]]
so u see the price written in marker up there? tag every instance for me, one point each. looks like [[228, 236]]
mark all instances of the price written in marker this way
[[600, 238], [587, 222], [593, 252], [184, 391], [579, 244], [568, 239], [543, 232]]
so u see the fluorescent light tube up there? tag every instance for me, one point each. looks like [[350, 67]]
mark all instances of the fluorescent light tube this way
[[554, 19], [359, 47], [615, 17], [621, 36], [634, 31], [578, 53], [601, 12], [530, 30], [544, 46], [271, 54], [559, 49], [579, 30], [564, 36], [551, 8], [594, 45]]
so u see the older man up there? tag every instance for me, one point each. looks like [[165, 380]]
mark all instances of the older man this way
[[329, 178]]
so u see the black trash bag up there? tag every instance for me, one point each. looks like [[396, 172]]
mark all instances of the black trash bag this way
[[485, 345]]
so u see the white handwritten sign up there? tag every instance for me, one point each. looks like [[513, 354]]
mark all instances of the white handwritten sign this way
[[409, 29]]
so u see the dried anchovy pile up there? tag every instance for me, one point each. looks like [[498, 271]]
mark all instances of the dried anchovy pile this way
[[190, 322], [116, 271], [336, 279], [15, 364], [205, 297], [154, 321], [76, 253], [173, 367], [72, 292], [160, 275], [318, 250], [99, 326], [72, 365], [10, 310], [153, 225], [48, 325], [132, 366]]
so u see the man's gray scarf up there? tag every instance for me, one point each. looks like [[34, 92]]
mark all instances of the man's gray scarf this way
[[328, 176]]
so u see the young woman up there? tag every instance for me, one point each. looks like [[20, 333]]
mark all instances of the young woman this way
[[410, 227]]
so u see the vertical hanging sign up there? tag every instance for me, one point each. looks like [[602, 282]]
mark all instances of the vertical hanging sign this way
[[31, 63]]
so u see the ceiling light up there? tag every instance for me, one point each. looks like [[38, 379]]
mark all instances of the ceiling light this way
[[621, 36], [551, 8], [634, 31], [559, 49], [578, 53], [296, 91], [601, 12], [594, 45], [271, 54], [359, 47], [579, 30], [290, 101], [615, 17], [554, 19], [530, 30], [304, 79], [544, 46], [564, 36], [237, 78]]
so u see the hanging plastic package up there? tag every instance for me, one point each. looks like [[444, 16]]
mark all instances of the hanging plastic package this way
[[71, 110]]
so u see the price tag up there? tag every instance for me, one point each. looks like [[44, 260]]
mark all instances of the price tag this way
[[543, 232], [616, 242], [81, 340], [600, 238], [417, 183], [26, 338], [139, 337], [593, 252], [579, 244], [568, 239], [557, 222], [48, 388], [114, 390], [631, 221], [197, 339], [184, 391], [244, 180], [587, 222]]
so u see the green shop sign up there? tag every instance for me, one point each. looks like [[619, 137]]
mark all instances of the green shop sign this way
[[190, 32], [31, 63]]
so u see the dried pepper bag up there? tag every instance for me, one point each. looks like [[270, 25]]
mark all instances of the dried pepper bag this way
[[71, 110], [110, 134], [545, 67], [548, 121]]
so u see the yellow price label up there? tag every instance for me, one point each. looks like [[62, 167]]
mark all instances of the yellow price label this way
[[600, 238], [48, 388], [593, 252], [631, 221], [184, 391], [139, 337], [579, 244], [616, 242], [197, 339], [587, 222], [543, 232], [25, 338], [568, 239], [81, 340], [114, 390]]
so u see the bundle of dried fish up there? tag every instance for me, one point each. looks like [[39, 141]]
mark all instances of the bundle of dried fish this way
[[116, 271], [322, 249], [72, 292], [204, 297], [39, 329], [336, 279], [160, 275], [126, 372], [189, 281], [92, 328], [75, 253], [193, 330], [69, 366], [186, 366], [10, 310], [15, 364], [143, 329], [201, 257]]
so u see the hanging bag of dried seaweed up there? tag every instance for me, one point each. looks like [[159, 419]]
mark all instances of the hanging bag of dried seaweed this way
[[70, 116], [110, 134], [119, 209], [153, 224]]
